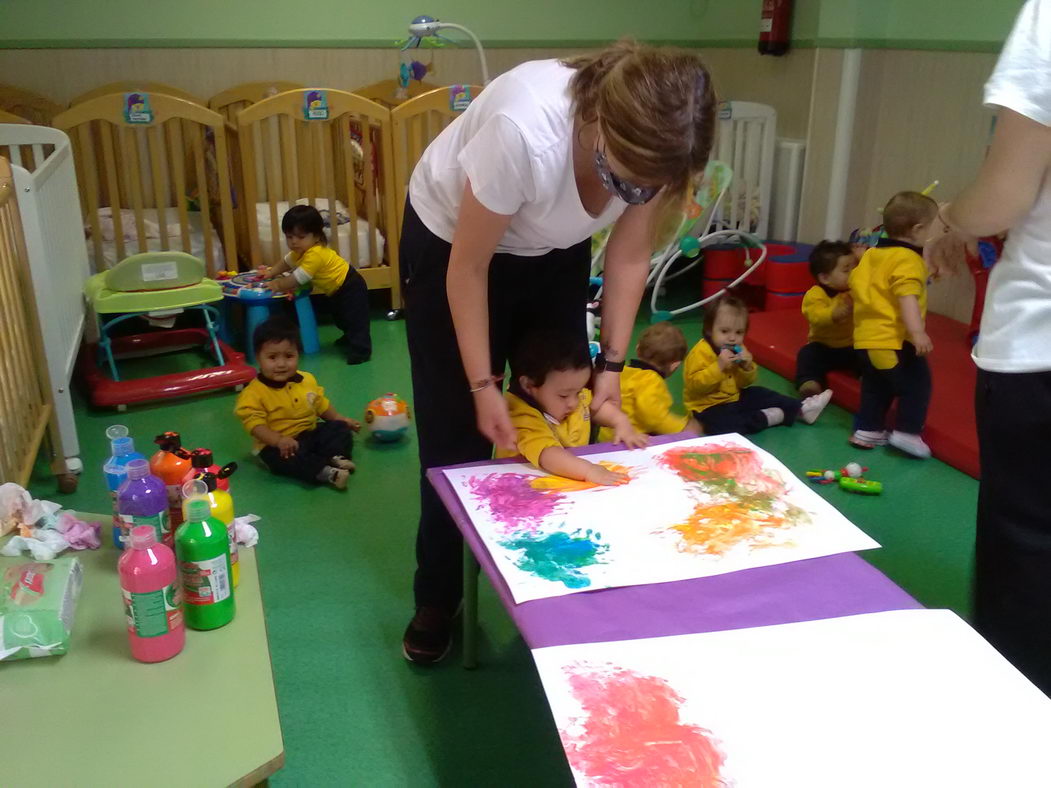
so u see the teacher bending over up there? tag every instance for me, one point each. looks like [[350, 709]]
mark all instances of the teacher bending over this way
[[496, 242]]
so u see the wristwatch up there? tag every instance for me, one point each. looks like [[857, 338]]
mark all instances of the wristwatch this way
[[602, 364]]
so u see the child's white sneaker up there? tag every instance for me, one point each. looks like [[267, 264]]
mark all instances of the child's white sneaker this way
[[910, 444], [812, 406], [868, 439]]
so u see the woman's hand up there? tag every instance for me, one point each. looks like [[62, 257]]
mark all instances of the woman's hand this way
[[605, 388], [494, 420], [947, 251]]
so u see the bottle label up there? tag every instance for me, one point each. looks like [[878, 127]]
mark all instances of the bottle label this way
[[153, 613], [205, 582], [159, 522]]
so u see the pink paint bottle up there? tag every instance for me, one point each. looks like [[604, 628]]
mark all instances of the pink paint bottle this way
[[152, 597]]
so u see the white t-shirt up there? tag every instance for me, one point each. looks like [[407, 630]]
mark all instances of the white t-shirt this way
[[515, 143], [1016, 325]]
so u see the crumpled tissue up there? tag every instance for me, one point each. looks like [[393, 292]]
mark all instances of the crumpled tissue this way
[[244, 532]]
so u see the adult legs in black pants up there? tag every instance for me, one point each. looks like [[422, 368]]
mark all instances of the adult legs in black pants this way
[[1012, 600], [350, 311], [549, 291]]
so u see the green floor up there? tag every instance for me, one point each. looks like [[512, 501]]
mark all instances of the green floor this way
[[337, 567]]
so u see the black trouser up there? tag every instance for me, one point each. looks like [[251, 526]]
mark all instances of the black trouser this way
[[909, 381], [549, 291], [316, 449], [1012, 602], [746, 414], [350, 312], [815, 360]]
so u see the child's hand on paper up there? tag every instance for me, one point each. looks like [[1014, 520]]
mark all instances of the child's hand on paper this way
[[629, 436], [596, 474]]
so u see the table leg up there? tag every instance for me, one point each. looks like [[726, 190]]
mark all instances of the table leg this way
[[255, 315], [307, 323], [470, 608]]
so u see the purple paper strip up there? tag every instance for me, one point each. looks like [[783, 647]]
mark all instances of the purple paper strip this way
[[830, 587]]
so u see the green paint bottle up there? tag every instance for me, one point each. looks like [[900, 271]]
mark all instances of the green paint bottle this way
[[203, 550]]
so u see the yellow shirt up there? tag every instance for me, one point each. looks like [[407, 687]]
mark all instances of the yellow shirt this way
[[885, 274], [326, 270], [645, 398], [536, 431], [291, 409], [705, 385], [817, 308]]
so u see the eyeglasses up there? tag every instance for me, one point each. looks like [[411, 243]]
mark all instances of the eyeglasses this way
[[627, 191]]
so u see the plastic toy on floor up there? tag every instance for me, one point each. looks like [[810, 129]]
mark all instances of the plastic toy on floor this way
[[849, 478], [387, 418], [157, 286]]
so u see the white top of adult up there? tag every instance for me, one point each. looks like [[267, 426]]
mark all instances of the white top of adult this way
[[1016, 325], [515, 143]]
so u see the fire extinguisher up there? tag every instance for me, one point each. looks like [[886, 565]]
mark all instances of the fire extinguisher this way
[[774, 26]]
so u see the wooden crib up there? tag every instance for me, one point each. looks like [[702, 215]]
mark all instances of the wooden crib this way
[[330, 149], [31, 107], [135, 86], [27, 415], [415, 123], [153, 175]]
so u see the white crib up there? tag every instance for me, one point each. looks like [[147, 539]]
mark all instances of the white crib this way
[[46, 187]]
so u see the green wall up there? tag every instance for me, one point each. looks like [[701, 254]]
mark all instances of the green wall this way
[[979, 25]]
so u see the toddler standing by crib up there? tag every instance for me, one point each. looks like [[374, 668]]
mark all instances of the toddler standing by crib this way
[[310, 260], [718, 377]]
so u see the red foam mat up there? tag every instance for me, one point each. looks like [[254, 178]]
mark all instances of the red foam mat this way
[[775, 337]]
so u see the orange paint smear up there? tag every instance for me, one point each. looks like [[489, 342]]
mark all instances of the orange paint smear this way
[[561, 484], [631, 735], [716, 528]]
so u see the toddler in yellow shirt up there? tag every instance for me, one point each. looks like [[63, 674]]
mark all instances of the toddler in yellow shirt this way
[[719, 373], [829, 310], [281, 408], [310, 260], [551, 408], [644, 395], [889, 289]]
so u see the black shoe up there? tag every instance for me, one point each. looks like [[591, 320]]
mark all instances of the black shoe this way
[[428, 637], [357, 359]]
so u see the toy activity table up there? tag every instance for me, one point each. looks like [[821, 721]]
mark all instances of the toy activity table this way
[[258, 302], [839, 585], [79, 719]]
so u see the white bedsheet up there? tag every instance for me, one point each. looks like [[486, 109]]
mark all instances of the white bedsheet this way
[[350, 229], [153, 241]]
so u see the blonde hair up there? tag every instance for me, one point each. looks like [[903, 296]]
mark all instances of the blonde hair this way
[[905, 210], [662, 344], [656, 109]]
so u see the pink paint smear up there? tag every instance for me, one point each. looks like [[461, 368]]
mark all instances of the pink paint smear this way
[[631, 735]]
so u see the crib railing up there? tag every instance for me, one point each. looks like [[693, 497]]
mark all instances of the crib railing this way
[[26, 411]]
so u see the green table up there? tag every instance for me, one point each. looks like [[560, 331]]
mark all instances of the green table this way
[[96, 717]]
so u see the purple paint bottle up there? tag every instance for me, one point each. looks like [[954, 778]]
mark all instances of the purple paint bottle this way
[[143, 500]]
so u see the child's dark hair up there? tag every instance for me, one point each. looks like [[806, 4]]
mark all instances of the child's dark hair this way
[[825, 256], [662, 344], [276, 329], [546, 351], [305, 219], [905, 210], [712, 309]]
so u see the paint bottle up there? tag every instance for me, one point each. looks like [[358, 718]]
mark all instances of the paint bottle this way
[[202, 461], [222, 504], [143, 500], [204, 566], [122, 451], [170, 464], [152, 597]]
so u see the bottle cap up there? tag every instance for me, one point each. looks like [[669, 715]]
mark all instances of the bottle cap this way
[[198, 509], [143, 536], [169, 441], [201, 458], [116, 431], [137, 469], [121, 446], [210, 480], [194, 488]]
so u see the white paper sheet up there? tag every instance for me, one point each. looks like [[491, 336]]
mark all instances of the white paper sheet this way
[[747, 511], [908, 698]]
